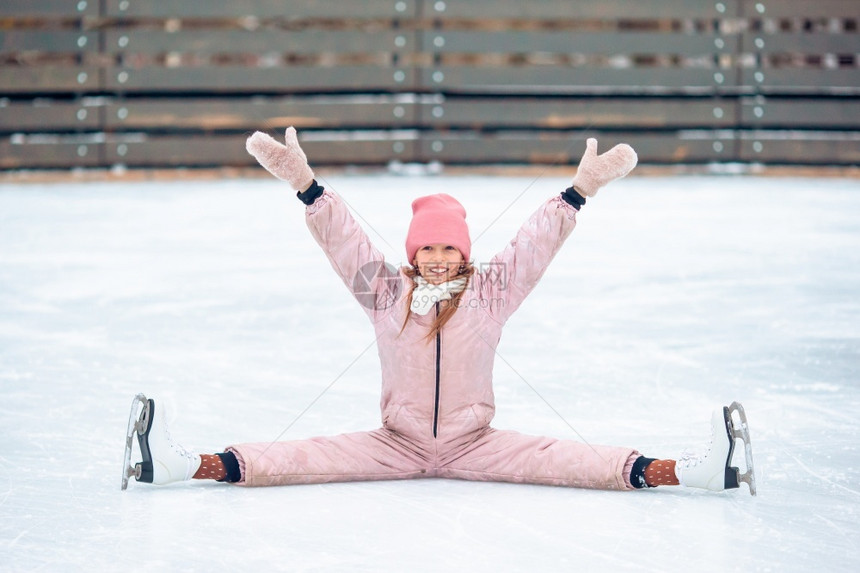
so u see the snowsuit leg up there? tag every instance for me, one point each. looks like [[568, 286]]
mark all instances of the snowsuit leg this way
[[513, 457], [362, 456]]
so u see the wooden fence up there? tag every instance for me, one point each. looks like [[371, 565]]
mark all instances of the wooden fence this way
[[148, 83]]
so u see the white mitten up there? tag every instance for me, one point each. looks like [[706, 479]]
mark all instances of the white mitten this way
[[286, 162], [595, 171]]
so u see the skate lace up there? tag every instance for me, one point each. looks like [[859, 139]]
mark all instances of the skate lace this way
[[176, 447], [691, 458]]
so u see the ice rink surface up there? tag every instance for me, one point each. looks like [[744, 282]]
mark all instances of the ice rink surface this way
[[673, 296]]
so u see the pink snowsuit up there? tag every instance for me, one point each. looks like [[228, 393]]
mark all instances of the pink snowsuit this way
[[437, 395]]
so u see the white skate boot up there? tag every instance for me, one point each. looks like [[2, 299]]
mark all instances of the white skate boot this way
[[712, 469], [163, 461]]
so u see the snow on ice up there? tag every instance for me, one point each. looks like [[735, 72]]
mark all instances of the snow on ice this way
[[674, 295]]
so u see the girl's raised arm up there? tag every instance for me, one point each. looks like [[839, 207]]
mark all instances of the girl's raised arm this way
[[515, 271], [359, 264]]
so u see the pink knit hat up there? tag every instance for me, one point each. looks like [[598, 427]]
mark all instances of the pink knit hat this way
[[438, 219]]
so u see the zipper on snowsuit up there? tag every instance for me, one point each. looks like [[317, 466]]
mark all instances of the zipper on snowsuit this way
[[438, 373]]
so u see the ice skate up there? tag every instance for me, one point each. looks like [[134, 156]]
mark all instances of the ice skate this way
[[163, 461], [712, 469]]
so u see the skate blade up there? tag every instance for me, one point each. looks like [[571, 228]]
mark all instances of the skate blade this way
[[740, 431], [137, 421]]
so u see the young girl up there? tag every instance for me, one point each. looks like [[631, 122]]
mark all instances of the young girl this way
[[437, 325]]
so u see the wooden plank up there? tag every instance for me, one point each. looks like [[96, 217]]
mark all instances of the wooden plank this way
[[808, 113], [587, 113], [800, 147], [235, 78], [566, 148], [53, 41], [803, 9], [48, 79], [283, 9], [17, 154], [364, 150], [838, 81], [261, 113], [142, 150], [605, 9], [264, 41], [803, 43], [50, 8], [551, 79], [229, 150], [575, 42], [48, 115]]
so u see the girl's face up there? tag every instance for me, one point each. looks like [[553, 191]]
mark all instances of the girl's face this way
[[438, 263]]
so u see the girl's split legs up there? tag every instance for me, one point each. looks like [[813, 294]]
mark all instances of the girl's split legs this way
[[491, 455]]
